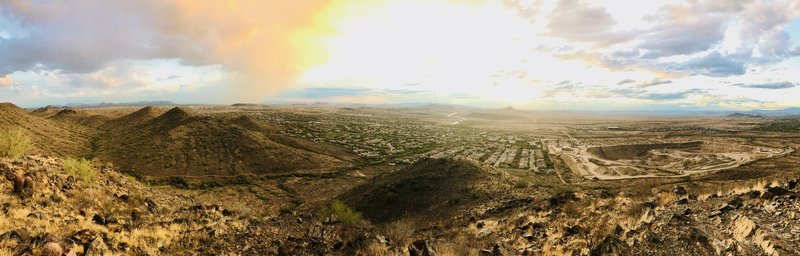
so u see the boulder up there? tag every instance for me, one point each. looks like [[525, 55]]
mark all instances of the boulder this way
[[773, 192], [421, 248], [51, 249], [96, 248], [680, 190]]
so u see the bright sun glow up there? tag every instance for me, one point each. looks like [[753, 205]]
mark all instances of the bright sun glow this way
[[526, 53]]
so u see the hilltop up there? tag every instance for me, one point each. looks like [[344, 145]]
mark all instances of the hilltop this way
[[742, 115], [177, 143], [79, 117]]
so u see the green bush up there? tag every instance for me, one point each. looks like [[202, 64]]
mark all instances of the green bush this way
[[81, 168], [14, 143], [342, 212]]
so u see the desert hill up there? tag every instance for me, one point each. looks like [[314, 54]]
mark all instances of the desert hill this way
[[79, 117], [430, 187], [45, 111], [743, 115], [177, 143], [47, 136]]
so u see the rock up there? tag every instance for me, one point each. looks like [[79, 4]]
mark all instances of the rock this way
[[151, 205], [610, 245], [36, 215], [742, 228], [96, 248], [124, 197], [99, 220], [52, 249], [680, 190], [421, 248], [84, 236], [733, 204], [21, 235], [483, 233], [773, 192], [574, 230]]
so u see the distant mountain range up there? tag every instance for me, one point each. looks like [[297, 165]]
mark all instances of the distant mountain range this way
[[741, 115], [125, 104]]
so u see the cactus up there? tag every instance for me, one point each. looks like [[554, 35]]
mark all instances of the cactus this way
[[19, 182], [28, 184]]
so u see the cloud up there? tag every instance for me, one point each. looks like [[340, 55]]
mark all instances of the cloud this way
[[656, 96], [574, 21], [684, 35], [6, 81], [769, 86], [264, 43], [653, 82], [325, 92], [713, 64], [626, 81]]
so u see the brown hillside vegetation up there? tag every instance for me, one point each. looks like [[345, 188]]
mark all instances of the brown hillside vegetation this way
[[45, 111], [429, 188], [80, 117], [177, 143], [48, 136]]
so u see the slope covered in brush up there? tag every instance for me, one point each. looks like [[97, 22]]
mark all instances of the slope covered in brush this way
[[177, 143], [48, 137], [429, 188]]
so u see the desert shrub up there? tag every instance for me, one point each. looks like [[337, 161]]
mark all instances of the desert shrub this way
[[521, 183], [288, 209], [401, 232], [80, 168], [14, 143], [342, 212]]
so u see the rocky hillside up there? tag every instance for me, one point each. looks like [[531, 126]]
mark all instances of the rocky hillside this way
[[45, 211], [177, 143], [431, 188], [79, 117], [48, 136]]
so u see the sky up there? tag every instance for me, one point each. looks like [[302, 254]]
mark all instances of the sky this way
[[529, 54]]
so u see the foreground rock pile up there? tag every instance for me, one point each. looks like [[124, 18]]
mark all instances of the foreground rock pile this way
[[44, 211]]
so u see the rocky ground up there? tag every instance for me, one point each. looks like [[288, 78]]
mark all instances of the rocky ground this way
[[47, 212]]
